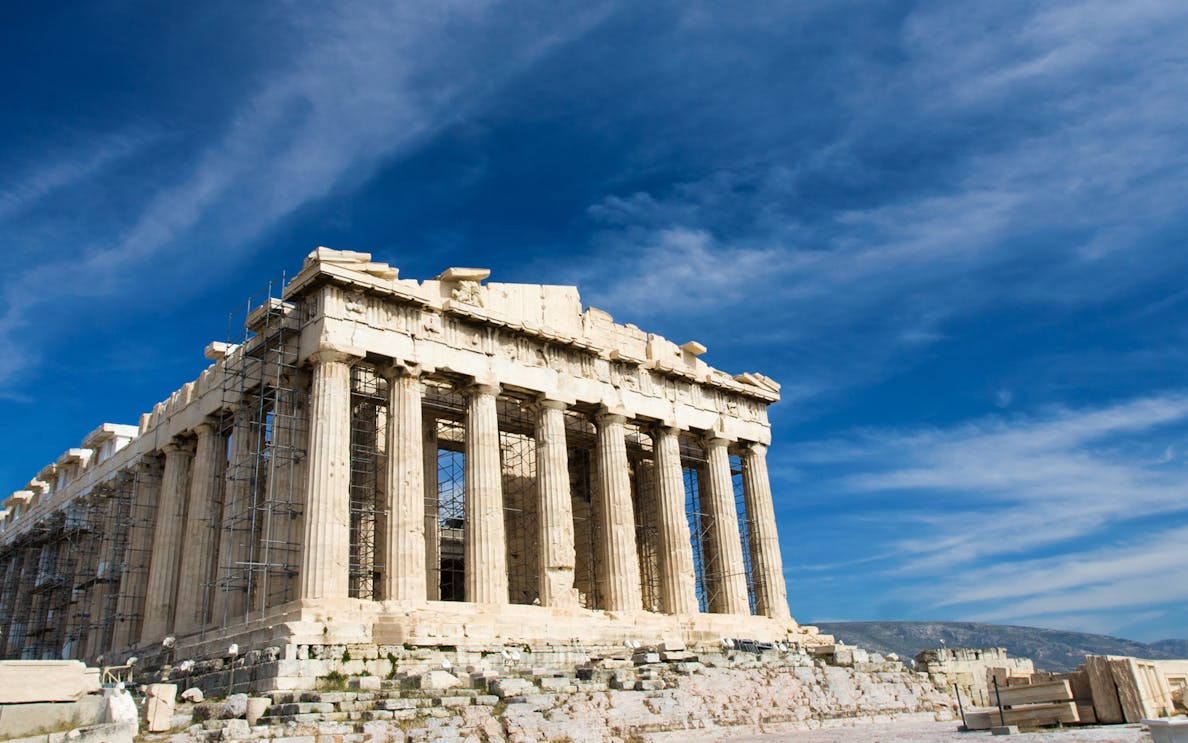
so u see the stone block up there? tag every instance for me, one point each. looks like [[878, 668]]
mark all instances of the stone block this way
[[158, 707], [366, 683], [235, 729], [193, 694], [234, 707], [23, 681], [554, 683], [438, 680], [509, 687], [256, 707]]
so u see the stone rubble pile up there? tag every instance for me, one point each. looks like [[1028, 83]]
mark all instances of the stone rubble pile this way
[[648, 694]]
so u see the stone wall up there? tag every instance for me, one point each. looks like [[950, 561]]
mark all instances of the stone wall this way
[[631, 695]]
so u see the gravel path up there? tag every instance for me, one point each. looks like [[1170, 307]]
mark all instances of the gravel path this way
[[941, 732]]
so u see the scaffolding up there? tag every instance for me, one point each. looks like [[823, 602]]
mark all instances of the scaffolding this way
[[445, 492], [118, 496], [744, 527], [707, 566], [263, 417], [517, 444], [369, 415], [144, 484], [640, 454], [579, 441]]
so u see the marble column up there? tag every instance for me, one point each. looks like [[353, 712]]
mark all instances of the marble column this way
[[617, 517], [404, 535], [432, 528], [130, 606], [235, 534], [167, 541], [771, 596], [554, 507], [485, 543], [678, 584], [198, 557], [325, 547], [718, 503]]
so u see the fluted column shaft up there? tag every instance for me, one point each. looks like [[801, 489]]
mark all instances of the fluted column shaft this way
[[554, 507], [432, 528], [325, 547], [199, 554], [678, 584], [167, 541], [130, 605], [719, 505], [485, 542], [617, 517], [771, 595], [404, 566]]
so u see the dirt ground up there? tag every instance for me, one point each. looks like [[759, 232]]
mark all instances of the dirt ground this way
[[942, 732]]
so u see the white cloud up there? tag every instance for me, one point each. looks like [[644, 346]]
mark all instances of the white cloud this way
[[372, 82], [1044, 519]]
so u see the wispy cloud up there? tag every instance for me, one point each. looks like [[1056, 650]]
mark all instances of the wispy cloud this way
[[1051, 158], [372, 82], [1087, 489]]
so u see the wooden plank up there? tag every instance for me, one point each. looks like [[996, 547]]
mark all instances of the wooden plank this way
[[1043, 714], [1106, 706], [1049, 691], [1086, 713]]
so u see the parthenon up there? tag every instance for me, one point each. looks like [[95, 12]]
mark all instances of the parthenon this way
[[448, 462]]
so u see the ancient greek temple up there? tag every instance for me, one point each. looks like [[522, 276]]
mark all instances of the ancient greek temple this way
[[449, 462]]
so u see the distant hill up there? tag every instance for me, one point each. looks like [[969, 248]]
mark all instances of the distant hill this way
[[1052, 650]]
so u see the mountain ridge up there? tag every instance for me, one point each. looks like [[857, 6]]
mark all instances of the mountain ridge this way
[[1051, 650]]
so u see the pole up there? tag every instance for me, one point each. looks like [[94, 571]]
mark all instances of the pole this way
[[960, 707], [998, 698]]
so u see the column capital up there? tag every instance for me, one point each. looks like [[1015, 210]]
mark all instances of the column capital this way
[[325, 354], [716, 439], [669, 427], [484, 387], [607, 416], [754, 447], [397, 368], [177, 446], [206, 427], [551, 404]]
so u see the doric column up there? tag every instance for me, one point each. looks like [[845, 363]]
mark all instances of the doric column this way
[[616, 516], [130, 605], [771, 596], [25, 570], [432, 528], [235, 534], [167, 541], [731, 597], [198, 557], [485, 543], [325, 548], [678, 584], [554, 507], [404, 535]]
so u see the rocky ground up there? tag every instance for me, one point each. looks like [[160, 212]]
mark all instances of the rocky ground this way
[[933, 732], [644, 696]]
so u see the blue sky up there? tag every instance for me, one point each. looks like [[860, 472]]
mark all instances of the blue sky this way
[[953, 231]]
